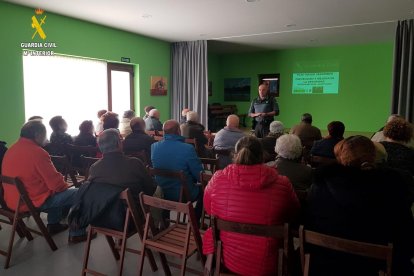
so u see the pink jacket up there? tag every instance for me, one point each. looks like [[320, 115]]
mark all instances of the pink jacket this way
[[249, 194]]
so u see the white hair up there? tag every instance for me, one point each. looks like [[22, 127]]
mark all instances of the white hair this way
[[192, 116], [276, 127], [289, 146], [154, 113]]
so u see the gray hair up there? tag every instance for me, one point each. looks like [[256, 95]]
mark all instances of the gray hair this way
[[108, 140], [276, 127], [289, 146], [192, 116]]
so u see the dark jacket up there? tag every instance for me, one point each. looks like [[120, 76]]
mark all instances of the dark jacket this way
[[399, 156], [126, 172], [3, 150], [269, 143], [195, 130], [363, 205], [97, 204], [299, 174], [137, 141], [85, 140], [325, 147]]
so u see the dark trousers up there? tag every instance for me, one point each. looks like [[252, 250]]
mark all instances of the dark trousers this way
[[261, 129]]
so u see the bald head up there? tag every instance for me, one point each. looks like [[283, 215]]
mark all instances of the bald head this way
[[137, 124], [232, 121], [154, 113], [171, 127]]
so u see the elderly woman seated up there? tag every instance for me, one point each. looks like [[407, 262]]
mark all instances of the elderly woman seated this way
[[357, 201], [276, 129], [288, 162], [249, 192], [398, 132]]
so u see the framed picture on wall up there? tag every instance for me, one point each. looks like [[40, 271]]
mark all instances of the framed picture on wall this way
[[158, 86], [272, 81], [237, 89]]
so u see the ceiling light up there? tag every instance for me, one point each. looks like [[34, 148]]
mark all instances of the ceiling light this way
[[290, 25]]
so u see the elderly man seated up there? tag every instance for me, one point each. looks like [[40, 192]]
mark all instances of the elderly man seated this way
[[28, 161], [108, 177], [153, 121], [138, 140], [193, 129], [276, 129], [227, 138], [172, 153]]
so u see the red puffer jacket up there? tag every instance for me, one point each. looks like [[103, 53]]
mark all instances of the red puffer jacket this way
[[249, 194]]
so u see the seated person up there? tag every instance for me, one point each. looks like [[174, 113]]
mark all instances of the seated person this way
[[110, 120], [276, 130], [147, 109], [172, 153], [397, 133], [227, 138], [325, 147], [193, 129], [306, 131], [124, 127], [355, 200], [138, 140], [86, 135], [28, 161], [59, 135], [184, 115], [153, 121], [118, 170], [379, 135], [36, 117], [99, 124], [249, 192], [288, 162]]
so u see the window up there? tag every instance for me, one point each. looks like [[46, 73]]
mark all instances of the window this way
[[75, 88]]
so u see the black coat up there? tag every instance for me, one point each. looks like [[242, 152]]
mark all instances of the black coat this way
[[364, 205]]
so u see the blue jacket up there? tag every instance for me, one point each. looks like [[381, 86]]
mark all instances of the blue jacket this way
[[172, 153]]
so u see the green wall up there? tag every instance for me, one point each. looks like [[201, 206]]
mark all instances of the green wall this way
[[78, 38], [363, 102]]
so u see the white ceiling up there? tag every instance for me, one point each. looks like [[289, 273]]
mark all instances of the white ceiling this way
[[238, 25]]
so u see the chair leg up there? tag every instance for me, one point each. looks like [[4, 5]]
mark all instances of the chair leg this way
[[123, 246], [142, 258], [183, 265], [151, 259], [111, 243], [24, 230], [10, 247], [87, 250], [44, 231], [164, 264]]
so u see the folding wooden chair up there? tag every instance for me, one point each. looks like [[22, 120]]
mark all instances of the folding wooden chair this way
[[280, 232], [204, 179], [141, 155], [16, 218], [132, 215], [87, 163], [370, 250], [179, 175], [75, 152], [209, 164], [179, 239], [62, 165]]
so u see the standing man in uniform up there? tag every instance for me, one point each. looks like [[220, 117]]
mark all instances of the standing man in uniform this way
[[263, 109]]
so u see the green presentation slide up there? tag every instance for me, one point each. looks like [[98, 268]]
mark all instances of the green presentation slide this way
[[315, 83]]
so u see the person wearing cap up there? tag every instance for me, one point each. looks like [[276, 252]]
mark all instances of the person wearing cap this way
[[263, 109], [276, 130]]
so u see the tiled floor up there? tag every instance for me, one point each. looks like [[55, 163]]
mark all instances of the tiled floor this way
[[36, 259]]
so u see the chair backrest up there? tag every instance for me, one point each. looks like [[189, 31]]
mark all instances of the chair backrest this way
[[133, 212], [280, 232], [210, 164], [141, 155], [63, 165], [204, 179], [370, 250], [73, 150], [87, 163], [24, 197], [179, 175]]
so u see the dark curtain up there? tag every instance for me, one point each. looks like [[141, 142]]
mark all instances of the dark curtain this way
[[402, 92], [189, 79]]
